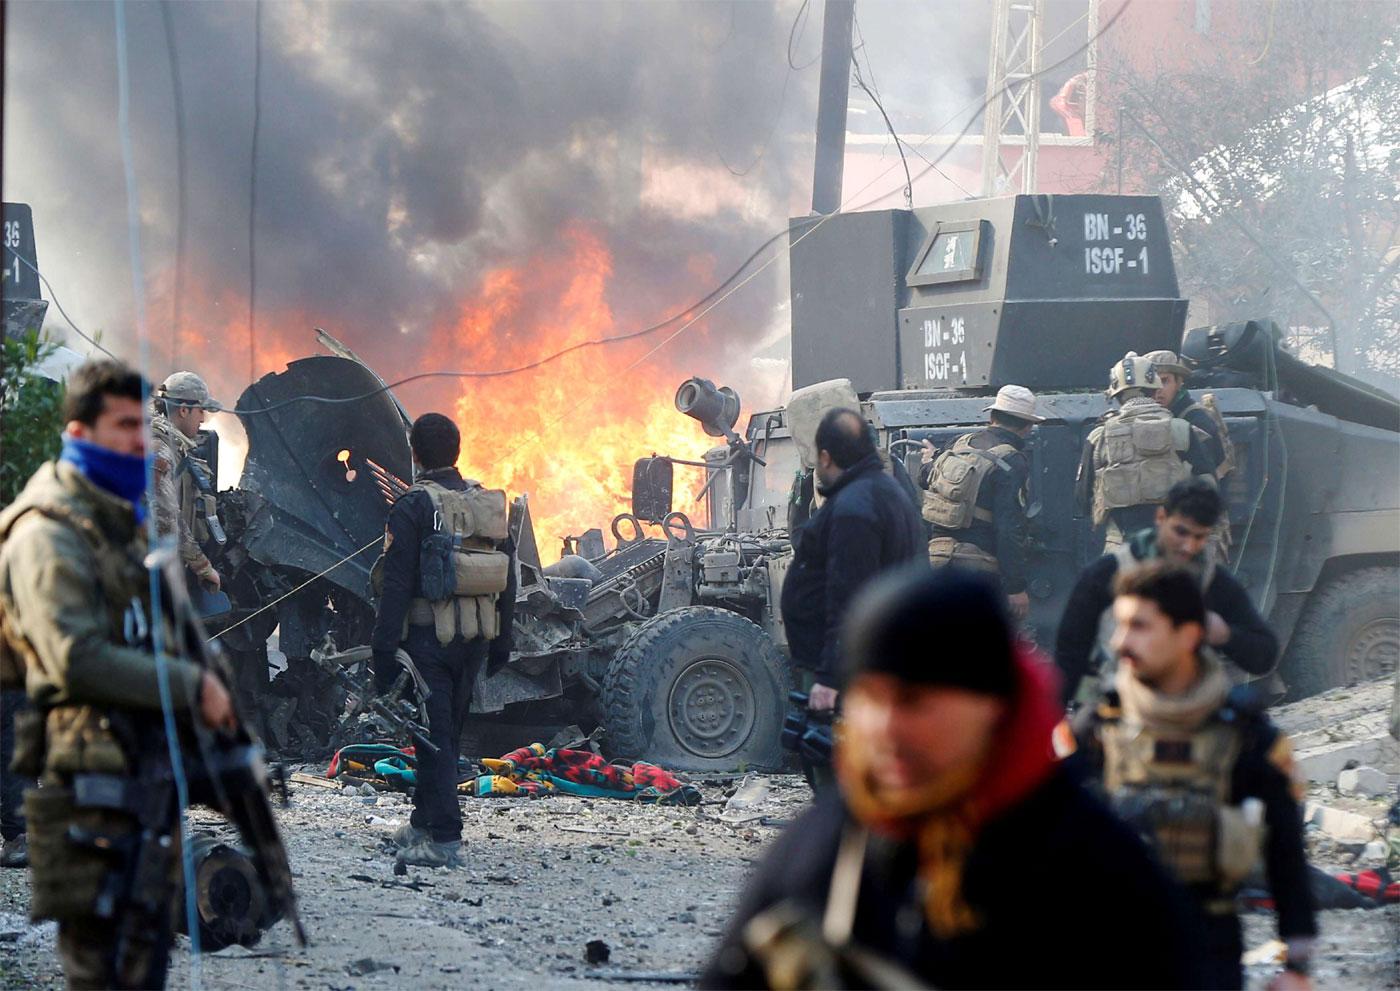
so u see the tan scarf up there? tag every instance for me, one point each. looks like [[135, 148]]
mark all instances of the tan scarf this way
[[938, 817], [1144, 705]]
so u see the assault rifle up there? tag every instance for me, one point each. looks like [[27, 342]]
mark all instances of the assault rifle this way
[[226, 770]]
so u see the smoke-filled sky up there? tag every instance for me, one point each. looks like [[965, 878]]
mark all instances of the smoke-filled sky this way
[[407, 149]]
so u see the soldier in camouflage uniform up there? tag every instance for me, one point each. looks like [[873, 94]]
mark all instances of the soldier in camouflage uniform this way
[[179, 408], [75, 606], [1133, 458]]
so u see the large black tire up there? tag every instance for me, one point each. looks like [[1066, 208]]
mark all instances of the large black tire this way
[[1349, 632], [697, 689]]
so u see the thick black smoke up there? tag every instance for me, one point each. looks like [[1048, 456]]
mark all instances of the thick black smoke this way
[[403, 150]]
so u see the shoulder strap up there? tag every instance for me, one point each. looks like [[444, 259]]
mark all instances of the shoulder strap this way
[[997, 455]]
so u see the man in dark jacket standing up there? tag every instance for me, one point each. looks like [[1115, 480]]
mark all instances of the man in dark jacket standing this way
[[448, 597], [866, 524], [1181, 536], [957, 853]]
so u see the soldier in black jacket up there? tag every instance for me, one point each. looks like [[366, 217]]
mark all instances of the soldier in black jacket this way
[[958, 853], [866, 524], [1181, 535], [1198, 769], [449, 632]]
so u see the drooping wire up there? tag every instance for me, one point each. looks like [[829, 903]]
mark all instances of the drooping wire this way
[[53, 297], [177, 95], [712, 300], [253, 193], [799, 28], [898, 145], [531, 365], [162, 663]]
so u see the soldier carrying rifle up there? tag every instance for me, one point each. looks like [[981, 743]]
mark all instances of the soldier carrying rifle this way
[[80, 631]]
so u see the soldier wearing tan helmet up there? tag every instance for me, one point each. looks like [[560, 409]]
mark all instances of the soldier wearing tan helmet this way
[[975, 495], [1140, 450], [1204, 415], [180, 502]]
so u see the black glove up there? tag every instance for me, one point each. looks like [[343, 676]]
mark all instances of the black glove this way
[[386, 669]]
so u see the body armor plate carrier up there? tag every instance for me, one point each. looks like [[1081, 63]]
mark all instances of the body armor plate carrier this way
[[1174, 788], [462, 572], [1138, 456], [950, 501]]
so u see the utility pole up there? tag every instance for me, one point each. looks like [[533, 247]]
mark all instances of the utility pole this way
[[832, 99], [1013, 97]]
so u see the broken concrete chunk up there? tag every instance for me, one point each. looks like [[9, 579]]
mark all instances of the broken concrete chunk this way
[[1341, 826], [1364, 781]]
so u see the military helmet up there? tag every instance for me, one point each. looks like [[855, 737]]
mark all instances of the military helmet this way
[[186, 389], [1133, 372], [1167, 362]]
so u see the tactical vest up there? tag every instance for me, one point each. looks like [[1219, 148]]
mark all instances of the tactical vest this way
[[1211, 408], [119, 571], [1174, 788], [1138, 456], [950, 500], [198, 506], [461, 571]]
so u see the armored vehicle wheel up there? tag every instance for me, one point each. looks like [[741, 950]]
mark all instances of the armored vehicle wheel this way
[[1349, 632], [697, 689]]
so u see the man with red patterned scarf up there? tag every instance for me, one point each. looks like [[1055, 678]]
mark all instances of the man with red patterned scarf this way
[[956, 852]]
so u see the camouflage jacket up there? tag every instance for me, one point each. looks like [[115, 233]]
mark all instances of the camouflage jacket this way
[[71, 583], [173, 501]]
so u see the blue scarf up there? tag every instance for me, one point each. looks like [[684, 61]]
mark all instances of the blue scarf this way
[[123, 475]]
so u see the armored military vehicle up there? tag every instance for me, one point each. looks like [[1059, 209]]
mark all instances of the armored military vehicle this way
[[673, 642], [928, 311]]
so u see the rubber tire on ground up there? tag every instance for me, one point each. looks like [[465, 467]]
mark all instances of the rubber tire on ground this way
[[669, 653], [1355, 605]]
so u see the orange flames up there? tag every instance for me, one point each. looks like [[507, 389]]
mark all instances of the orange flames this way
[[567, 433]]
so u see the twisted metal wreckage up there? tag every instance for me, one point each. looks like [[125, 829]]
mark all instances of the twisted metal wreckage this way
[[305, 524]]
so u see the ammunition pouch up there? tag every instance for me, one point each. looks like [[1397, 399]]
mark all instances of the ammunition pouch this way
[[950, 501], [28, 759], [81, 740], [1173, 790], [461, 574], [943, 551], [75, 852]]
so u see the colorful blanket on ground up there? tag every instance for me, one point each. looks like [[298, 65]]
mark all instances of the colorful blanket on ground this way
[[533, 770]]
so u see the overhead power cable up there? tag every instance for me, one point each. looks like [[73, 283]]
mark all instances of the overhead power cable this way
[[53, 297]]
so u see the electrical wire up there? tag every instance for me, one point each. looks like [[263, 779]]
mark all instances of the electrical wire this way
[[795, 36], [860, 81], [162, 663], [315, 577], [817, 223], [177, 96], [531, 365], [253, 193], [53, 296]]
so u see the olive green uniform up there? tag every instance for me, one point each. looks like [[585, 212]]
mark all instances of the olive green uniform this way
[[75, 599]]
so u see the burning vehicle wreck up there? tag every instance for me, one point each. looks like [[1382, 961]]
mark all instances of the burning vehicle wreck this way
[[671, 642]]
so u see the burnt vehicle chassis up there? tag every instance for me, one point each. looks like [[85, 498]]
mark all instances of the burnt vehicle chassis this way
[[671, 644]]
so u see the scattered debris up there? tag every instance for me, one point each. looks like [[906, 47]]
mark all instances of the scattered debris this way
[[596, 951], [1340, 825], [743, 805], [1364, 781], [368, 965], [315, 780]]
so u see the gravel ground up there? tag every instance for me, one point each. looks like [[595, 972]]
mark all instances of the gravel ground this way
[[545, 878]]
